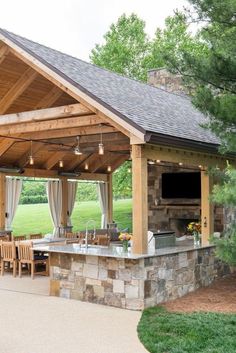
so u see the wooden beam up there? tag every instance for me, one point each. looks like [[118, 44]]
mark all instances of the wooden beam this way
[[4, 50], [17, 89], [2, 200], [187, 157], [54, 159], [42, 173], [50, 125], [207, 216], [69, 132], [50, 98], [44, 114], [140, 198], [64, 211], [110, 199]]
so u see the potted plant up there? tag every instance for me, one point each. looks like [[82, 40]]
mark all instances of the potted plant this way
[[125, 238]]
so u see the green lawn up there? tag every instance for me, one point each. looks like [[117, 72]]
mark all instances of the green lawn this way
[[165, 332], [35, 218]]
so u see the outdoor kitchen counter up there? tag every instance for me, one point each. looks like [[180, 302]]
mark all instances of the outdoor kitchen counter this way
[[116, 250], [110, 276]]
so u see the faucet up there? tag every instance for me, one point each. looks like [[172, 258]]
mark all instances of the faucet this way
[[91, 221]]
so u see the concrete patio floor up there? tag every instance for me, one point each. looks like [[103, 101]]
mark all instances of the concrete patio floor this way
[[33, 322]]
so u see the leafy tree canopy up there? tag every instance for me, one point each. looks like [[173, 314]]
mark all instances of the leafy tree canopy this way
[[125, 48]]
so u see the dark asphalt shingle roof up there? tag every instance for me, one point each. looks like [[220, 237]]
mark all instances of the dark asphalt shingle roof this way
[[149, 108]]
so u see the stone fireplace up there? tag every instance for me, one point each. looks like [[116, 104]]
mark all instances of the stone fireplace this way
[[174, 214]]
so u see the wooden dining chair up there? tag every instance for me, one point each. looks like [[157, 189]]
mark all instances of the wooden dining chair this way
[[27, 257], [36, 236], [8, 255], [4, 237], [19, 237]]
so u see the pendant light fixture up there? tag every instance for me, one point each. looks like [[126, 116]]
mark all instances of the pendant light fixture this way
[[61, 164], [31, 158], [109, 168], [100, 145], [77, 149], [86, 166]]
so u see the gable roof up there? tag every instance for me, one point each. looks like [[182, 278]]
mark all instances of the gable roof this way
[[149, 109]]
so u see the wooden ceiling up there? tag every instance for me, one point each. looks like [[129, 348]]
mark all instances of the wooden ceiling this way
[[52, 131]]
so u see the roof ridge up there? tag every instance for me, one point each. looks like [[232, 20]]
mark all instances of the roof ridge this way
[[99, 67]]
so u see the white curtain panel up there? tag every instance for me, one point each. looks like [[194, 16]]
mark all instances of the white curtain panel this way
[[13, 192], [102, 189], [54, 194], [72, 189]]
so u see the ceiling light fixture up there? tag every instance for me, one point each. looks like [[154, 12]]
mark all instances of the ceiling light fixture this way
[[151, 162], [77, 149], [100, 145], [31, 158]]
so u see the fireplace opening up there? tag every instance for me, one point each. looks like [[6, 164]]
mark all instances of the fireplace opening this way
[[179, 225]]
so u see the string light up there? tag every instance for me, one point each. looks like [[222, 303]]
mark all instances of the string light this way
[[100, 145], [31, 158]]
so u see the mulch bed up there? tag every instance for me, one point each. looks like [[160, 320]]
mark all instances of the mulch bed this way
[[218, 297]]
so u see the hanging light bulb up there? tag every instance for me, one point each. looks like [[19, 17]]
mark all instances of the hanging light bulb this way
[[61, 164], [180, 163], [100, 145], [31, 158], [86, 166], [109, 168]]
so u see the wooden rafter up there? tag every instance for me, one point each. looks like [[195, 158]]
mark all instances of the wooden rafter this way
[[4, 50], [51, 97], [17, 89], [44, 114], [53, 160]]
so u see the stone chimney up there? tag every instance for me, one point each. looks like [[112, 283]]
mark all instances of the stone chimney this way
[[163, 79]]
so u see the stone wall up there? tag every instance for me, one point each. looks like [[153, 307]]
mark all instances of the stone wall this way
[[132, 284], [163, 79], [162, 213]]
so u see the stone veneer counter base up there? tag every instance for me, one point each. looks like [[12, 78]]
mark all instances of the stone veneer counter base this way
[[132, 283]]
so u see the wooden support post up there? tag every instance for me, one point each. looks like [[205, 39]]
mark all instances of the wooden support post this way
[[64, 212], [2, 200], [140, 196], [110, 199], [207, 217]]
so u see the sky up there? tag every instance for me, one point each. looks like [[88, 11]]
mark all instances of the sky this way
[[75, 26]]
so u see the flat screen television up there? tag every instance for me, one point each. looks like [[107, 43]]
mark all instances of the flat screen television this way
[[181, 185]]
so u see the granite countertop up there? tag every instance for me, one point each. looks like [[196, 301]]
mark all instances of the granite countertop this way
[[115, 250]]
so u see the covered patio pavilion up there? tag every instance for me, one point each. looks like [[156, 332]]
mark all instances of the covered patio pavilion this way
[[48, 99]]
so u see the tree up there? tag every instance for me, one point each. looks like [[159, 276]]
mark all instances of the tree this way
[[208, 63], [125, 49]]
